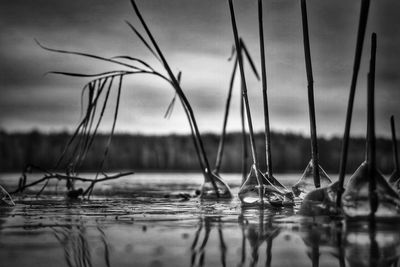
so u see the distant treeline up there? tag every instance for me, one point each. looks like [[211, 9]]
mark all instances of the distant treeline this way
[[290, 152]]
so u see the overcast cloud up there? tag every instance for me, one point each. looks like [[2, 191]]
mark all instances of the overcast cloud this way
[[196, 37]]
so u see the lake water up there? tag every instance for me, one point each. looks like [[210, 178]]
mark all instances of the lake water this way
[[131, 222]]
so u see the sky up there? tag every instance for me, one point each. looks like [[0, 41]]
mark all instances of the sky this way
[[196, 38]]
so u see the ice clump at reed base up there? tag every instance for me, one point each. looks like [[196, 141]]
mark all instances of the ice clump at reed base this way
[[306, 182], [356, 202], [208, 188], [249, 191], [5, 198]]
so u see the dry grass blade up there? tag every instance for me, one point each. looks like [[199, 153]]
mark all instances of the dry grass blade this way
[[89, 123], [89, 136], [97, 75], [71, 140], [134, 59], [143, 40], [233, 52], [101, 113], [171, 105], [42, 189], [170, 108], [357, 60], [250, 60], [218, 161], [78, 151], [85, 55], [112, 131], [220, 152], [192, 130]]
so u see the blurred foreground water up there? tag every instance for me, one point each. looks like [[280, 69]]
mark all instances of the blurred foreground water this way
[[147, 220]]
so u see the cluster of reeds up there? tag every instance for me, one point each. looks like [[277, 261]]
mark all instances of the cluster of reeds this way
[[266, 184], [356, 67], [330, 194], [220, 150], [101, 85], [366, 182], [99, 89], [5, 198]]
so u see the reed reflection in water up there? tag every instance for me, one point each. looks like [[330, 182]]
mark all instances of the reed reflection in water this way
[[326, 242], [75, 241], [372, 246], [151, 230], [199, 244]]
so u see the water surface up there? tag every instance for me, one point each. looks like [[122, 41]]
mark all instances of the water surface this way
[[145, 220]]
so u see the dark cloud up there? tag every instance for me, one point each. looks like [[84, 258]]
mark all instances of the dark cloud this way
[[196, 37]]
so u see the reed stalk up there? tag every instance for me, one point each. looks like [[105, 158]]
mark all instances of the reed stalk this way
[[268, 156], [111, 134], [84, 133], [189, 112], [394, 145], [356, 67], [245, 152], [371, 143], [310, 87], [249, 58], [221, 145], [245, 98], [220, 152]]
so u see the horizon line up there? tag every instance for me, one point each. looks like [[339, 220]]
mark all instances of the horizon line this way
[[300, 134]]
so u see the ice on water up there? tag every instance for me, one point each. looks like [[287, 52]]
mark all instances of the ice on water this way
[[321, 201], [5, 198], [306, 182], [394, 177], [249, 191], [356, 202], [208, 190], [272, 184], [394, 180]]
